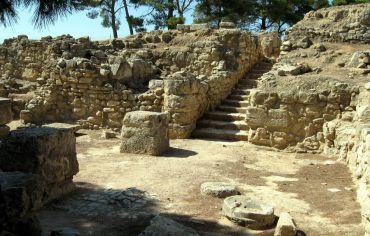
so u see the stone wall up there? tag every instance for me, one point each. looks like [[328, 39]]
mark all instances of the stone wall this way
[[316, 98], [350, 140], [350, 23], [97, 83], [295, 118]]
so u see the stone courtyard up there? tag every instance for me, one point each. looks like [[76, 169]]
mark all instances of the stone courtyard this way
[[193, 131], [308, 186]]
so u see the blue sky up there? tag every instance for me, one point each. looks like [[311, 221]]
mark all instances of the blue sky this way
[[77, 25]]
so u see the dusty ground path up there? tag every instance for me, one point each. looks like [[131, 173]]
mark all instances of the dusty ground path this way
[[317, 191]]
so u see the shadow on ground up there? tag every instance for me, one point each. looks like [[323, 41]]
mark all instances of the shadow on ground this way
[[97, 211], [178, 153]]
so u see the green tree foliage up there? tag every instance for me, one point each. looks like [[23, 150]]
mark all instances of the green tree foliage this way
[[258, 14], [108, 11], [347, 2], [164, 13], [214, 11], [46, 11]]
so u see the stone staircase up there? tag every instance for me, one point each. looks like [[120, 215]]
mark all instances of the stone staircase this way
[[226, 122]]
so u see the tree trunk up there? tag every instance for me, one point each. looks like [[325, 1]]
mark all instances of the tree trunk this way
[[128, 17], [113, 19], [263, 23], [170, 14]]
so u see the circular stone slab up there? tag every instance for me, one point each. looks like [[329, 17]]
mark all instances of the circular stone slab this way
[[248, 212], [219, 189]]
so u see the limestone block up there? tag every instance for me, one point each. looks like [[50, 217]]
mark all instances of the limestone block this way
[[5, 111], [365, 17], [47, 152], [145, 132], [141, 69], [196, 27], [248, 212], [256, 117], [219, 189], [260, 136], [285, 226], [277, 119], [182, 27], [121, 71], [227, 25], [26, 116]]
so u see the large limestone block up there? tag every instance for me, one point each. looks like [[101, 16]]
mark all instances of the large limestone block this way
[[277, 119], [145, 132], [5, 111], [121, 70], [47, 152], [256, 117]]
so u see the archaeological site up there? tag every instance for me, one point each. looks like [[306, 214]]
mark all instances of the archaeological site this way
[[191, 131]]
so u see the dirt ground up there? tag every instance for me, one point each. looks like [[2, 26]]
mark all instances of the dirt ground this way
[[317, 191]]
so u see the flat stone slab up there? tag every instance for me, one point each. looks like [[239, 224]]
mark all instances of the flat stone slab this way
[[248, 212], [219, 189], [72, 127], [160, 226]]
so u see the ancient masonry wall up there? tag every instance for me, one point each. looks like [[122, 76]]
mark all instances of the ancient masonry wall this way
[[334, 120], [97, 83]]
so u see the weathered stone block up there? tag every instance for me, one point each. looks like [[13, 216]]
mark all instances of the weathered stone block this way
[[5, 111], [47, 152], [196, 27], [227, 25], [277, 119], [256, 117], [145, 132]]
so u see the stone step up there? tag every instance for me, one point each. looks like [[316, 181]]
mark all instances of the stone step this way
[[217, 124], [235, 103], [260, 70], [221, 134], [241, 90], [238, 97], [245, 87], [232, 109], [224, 116], [252, 82]]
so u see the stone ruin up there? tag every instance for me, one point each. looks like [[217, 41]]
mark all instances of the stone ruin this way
[[312, 94]]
